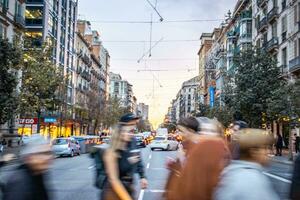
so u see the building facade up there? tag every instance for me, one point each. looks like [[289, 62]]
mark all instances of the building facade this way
[[122, 90], [12, 18], [12, 24], [186, 102], [143, 111], [54, 22]]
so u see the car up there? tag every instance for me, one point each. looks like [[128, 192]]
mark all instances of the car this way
[[65, 147], [164, 143], [140, 141]]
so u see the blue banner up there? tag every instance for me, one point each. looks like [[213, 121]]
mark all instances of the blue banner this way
[[49, 120], [211, 96]]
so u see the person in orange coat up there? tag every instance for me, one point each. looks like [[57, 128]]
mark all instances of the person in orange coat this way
[[203, 165]]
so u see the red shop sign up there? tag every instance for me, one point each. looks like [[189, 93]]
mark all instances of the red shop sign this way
[[28, 121]]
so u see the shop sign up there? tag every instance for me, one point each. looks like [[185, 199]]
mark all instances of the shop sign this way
[[28, 121], [49, 120]]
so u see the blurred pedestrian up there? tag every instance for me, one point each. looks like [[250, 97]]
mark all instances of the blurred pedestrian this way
[[121, 161], [28, 182], [234, 147], [279, 145], [296, 142], [295, 187], [244, 178], [204, 163], [187, 129]]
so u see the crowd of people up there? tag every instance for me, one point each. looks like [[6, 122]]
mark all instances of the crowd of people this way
[[207, 166], [210, 167]]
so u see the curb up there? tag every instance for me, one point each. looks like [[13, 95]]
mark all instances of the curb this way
[[286, 162]]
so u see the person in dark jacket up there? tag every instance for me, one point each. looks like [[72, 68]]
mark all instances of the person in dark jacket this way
[[121, 160], [295, 187], [279, 145], [28, 182]]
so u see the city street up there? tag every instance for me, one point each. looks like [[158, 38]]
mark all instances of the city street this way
[[72, 178]]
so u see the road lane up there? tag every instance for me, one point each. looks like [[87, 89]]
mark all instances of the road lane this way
[[157, 174], [73, 178]]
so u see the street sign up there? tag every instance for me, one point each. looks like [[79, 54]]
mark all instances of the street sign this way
[[28, 121], [49, 120]]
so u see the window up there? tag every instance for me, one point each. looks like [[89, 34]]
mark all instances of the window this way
[[265, 38], [34, 16], [274, 29], [283, 5], [295, 15], [18, 9], [2, 31], [283, 28], [284, 57], [295, 48]]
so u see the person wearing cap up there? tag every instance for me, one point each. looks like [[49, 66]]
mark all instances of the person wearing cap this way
[[121, 161], [202, 166], [28, 182], [244, 178]]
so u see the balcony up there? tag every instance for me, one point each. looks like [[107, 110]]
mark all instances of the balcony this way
[[86, 59], [34, 2], [86, 75], [20, 20], [272, 45], [273, 14], [295, 64], [246, 15], [262, 24], [261, 3], [246, 38]]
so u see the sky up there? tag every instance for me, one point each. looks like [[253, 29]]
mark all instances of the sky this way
[[175, 44]]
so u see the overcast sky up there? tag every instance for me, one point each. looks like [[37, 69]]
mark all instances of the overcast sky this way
[[179, 58]]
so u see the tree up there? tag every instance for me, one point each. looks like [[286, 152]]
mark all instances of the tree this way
[[143, 125], [251, 83], [43, 83], [112, 112], [95, 105], [10, 59]]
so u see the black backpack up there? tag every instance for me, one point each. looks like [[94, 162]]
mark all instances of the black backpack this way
[[101, 176]]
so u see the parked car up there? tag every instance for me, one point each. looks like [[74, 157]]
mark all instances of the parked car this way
[[164, 143], [140, 141], [65, 146], [105, 139]]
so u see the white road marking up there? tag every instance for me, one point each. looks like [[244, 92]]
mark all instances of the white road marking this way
[[156, 191], [150, 156], [159, 168], [141, 196], [277, 177], [91, 167], [148, 165]]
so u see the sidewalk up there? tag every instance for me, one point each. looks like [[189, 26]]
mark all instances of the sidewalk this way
[[281, 159]]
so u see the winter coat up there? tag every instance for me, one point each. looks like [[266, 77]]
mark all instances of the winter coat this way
[[23, 185], [202, 168], [295, 187], [244, 180]]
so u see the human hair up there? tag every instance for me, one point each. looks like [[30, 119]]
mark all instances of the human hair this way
[[190, 123], [116, 141]]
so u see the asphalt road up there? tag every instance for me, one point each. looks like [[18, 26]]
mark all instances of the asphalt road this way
[[72, 178]]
